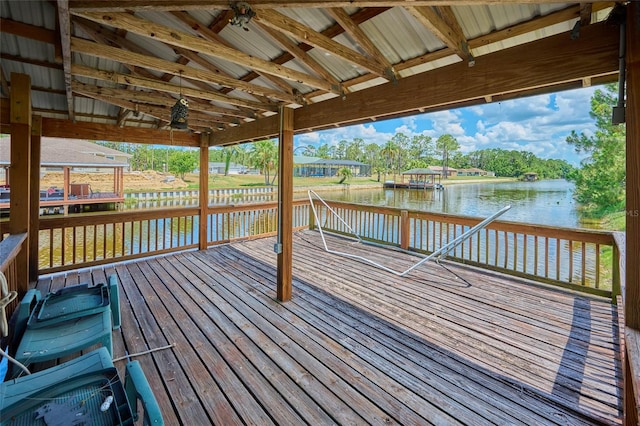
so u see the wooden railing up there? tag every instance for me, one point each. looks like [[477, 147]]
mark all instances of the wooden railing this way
[[10, 248], [583, 260], [233, 223], [88, 240], [80, 241]]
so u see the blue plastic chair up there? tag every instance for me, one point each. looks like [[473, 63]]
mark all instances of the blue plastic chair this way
[[86, 390], [65, 322]]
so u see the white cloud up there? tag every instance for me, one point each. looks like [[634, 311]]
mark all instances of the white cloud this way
[[539, 124]]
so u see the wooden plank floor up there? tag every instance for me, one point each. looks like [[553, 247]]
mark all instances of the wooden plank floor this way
[[356, 345]]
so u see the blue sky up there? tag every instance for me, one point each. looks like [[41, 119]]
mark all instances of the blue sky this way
[[538, 124]]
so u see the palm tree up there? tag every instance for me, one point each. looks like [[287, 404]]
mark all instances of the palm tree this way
[[264, 155], [345, 173]]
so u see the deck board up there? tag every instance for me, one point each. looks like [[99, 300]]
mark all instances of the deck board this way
[[447, 344]]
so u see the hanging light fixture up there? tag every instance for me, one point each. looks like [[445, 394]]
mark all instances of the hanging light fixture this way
[[180, 111], [242, 14]]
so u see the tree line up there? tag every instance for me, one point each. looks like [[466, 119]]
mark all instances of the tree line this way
[[399, 154]]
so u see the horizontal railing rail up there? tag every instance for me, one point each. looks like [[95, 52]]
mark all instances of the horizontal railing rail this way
[[580, 259], [246, 221], [87, 240]]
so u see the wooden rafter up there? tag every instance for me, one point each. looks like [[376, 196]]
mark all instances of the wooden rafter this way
[[65, 41], [208, 34], [296, 51], [139, 96], [116, 39], [197, 44], [32, 32], [441, 22], [361, 38], [154, 84], [293, 28], [115, 54]]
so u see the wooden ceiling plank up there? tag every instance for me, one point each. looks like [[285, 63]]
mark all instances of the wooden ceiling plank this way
[[293, 28], [65, 40], [208, 34], [154, 84], [258, 5], [450, 34], [200, 45], [359, 36]]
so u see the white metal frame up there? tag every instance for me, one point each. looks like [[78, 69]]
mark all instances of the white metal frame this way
[[441, 253]]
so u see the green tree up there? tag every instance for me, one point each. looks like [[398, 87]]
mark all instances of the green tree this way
[[601, 178], [344, 173], [181, 162], [390, 153], [446, 145], [264, 155]]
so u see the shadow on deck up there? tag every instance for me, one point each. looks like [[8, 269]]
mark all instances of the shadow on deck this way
[[447, 344]]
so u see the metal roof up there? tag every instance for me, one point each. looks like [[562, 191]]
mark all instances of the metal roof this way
[[297, 62]]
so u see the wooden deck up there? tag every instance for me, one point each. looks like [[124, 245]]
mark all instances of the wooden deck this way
[[356, 345]]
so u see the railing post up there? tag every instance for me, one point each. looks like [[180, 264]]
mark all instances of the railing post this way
[[616, 289], [312, 221], [204, 193], [404, 230]]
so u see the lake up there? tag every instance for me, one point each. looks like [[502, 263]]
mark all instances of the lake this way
[[546, 202]]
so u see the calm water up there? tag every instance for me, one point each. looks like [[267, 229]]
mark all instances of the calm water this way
[[547, 202]]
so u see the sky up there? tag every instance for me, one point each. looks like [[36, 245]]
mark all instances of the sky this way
[[538, 124]]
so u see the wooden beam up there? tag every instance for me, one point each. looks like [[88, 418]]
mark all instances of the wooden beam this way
[[65, 41], [177, 38], [210, 35], [258, 5], [153, 84], [546, 63], [285, 206], [296, 51], [32, 32], [443, 24], [57, 128], [362, 39], [632, 300], [154, 98], [161, 112], [19, 204], [90, 48], [34, 196], [293, 28]]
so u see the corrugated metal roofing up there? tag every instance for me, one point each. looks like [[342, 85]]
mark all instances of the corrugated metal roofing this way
[[395, 32]]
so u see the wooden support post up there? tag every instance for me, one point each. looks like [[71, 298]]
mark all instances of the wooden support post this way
[[19, 205], [632, 275], [204, 193], [34, 196], [284, 246]]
